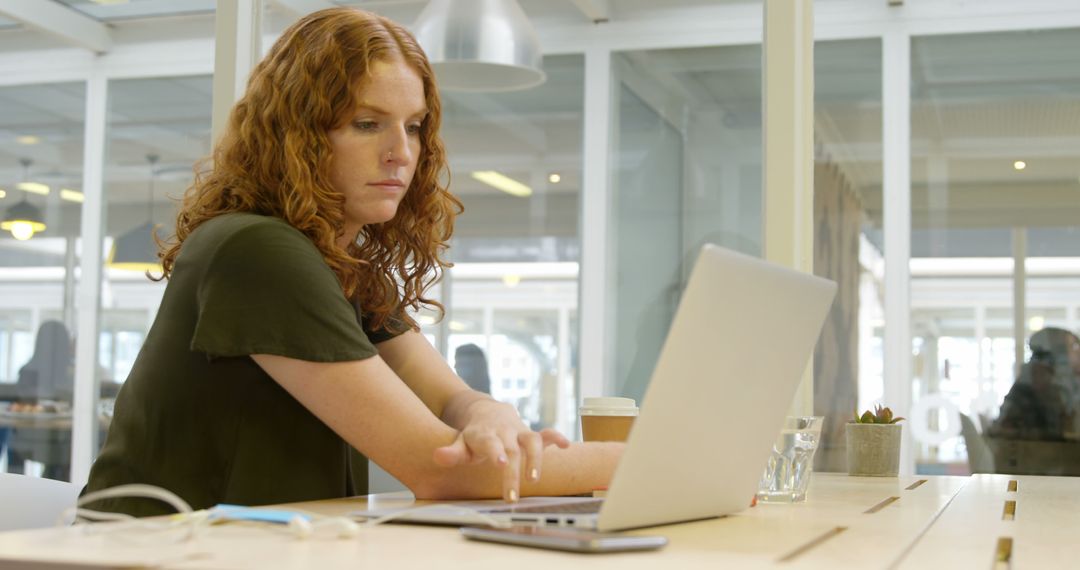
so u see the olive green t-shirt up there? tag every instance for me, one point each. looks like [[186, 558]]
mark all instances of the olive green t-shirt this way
[[196, 415]]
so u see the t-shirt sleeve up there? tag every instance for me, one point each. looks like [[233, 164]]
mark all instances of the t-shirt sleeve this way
[[395, 326], [267, 290]]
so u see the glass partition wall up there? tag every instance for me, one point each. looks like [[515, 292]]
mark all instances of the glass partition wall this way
[[848, 236], [41, 163], [515, 162], [156, 130], [995, 242], [685, 171]]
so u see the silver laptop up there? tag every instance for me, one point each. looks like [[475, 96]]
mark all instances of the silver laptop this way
[[725, 379]]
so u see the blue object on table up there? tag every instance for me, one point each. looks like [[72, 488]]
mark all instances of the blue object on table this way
[[239, 513]]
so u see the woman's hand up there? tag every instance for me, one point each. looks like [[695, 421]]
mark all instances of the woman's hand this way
[[493, 431]]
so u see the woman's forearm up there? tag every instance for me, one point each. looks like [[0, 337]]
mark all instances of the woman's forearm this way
[[581, 468], [456, 411]]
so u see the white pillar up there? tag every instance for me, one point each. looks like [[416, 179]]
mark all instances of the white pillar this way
[[896, 142], [596, 341], [237, 29], [1019, 251], [566, 415], [88, 294], [788, 115]]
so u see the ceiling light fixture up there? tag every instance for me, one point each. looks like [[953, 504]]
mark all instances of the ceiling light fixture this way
[[137, 249], [1019, 165], [554, 178], [502, 182], [34, 188], [23, 219], [480, 45], [1036, 323], [72, 195], [27, 140], [457, 326]]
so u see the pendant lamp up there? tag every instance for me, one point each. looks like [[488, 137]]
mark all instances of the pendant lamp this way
[[480, 45], [23, 219], [136, 249]]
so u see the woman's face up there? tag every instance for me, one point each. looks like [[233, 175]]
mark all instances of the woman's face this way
[[376, 150]]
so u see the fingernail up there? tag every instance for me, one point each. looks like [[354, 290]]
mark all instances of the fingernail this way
[[534, 474], [513, 496]]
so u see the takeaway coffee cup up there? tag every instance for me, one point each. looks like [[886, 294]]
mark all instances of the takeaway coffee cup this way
[[607, 419]]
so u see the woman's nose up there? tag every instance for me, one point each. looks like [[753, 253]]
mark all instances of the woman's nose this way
[[398, 150]]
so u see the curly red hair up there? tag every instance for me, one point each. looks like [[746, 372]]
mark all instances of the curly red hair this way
[[274, 159]]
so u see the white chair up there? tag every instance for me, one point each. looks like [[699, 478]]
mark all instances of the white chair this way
[[32, 502], [980, 457]]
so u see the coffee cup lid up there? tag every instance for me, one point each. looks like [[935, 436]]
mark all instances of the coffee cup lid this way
[[609, 406]]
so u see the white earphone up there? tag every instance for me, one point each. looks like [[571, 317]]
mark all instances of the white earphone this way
[[338, 527]]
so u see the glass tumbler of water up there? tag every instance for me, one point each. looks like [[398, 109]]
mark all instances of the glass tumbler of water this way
[[787, 473]]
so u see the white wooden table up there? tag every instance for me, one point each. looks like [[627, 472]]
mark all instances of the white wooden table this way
[[910, 522]]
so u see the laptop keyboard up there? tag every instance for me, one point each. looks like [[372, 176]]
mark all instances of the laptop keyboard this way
[[582, 507]]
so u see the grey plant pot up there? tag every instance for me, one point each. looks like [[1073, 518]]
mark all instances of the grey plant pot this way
[[873, 450]]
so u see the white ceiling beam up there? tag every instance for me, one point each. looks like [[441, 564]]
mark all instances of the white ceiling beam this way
[[597, 11], [303, 7], [65, 23]]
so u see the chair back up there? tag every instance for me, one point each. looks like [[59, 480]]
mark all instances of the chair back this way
[[33, 502], [980, 458]]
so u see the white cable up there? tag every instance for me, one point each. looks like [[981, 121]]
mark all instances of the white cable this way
[[191, 521], [186, 519], [137, 490]]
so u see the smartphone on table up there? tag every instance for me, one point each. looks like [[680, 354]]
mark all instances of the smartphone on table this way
[[564, 538]]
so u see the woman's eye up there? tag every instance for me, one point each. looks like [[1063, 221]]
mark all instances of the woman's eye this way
[[365, 125], [414, 129]]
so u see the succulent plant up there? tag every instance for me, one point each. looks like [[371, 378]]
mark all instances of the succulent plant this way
[[880, 415]]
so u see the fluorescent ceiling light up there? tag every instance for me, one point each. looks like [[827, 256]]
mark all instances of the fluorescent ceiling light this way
[[554, 178], [27, 139], [3, 194], [33, 188], [72, 195], [1019, 165], [457, 326], [502, 182]]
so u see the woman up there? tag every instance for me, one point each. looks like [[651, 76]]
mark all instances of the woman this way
[[283, 339]]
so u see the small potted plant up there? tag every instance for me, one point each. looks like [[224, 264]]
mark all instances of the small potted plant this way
[[873, 443]]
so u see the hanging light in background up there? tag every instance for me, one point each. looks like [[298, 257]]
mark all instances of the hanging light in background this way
[[136, 249], [23, 219], [480, 45]]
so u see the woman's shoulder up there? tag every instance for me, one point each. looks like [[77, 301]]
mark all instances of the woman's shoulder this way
[[245, 239], [240, 222], [240, 228]]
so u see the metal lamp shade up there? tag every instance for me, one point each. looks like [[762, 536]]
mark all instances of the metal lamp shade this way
[[136, 250], [480, 45], [23, 220]]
